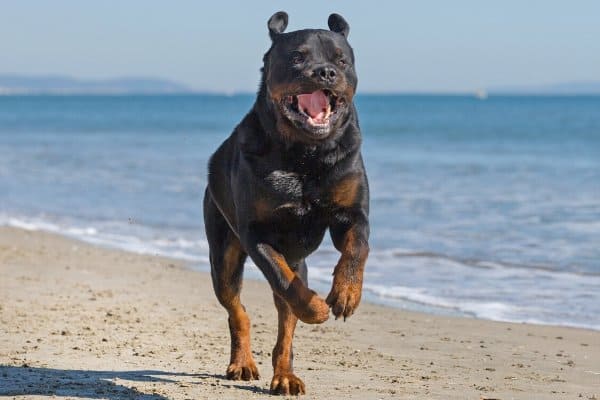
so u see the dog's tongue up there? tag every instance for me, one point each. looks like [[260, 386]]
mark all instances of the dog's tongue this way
[[314, 104]]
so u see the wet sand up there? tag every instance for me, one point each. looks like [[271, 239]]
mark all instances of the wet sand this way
[[81, 321]]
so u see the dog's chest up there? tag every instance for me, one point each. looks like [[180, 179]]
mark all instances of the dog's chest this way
[[294, 193], [286, 184]]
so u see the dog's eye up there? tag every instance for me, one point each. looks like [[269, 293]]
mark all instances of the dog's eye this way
[[297, 57], [342, 63]]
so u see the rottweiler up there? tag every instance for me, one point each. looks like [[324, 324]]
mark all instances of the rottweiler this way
[[290, 170]]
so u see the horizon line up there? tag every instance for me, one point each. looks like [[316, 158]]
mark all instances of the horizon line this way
[[475, 93]]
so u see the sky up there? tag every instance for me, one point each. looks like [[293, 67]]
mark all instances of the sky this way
[[400, 46]]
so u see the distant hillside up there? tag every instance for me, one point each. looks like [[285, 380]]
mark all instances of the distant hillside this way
[[55, 84], [564, 88]]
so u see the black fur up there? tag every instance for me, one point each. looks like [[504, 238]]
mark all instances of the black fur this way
[[278, 183]]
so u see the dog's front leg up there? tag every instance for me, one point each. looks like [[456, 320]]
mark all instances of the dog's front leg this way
[[306, 304], [350, 234]]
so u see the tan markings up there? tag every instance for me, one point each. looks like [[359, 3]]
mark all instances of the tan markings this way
[[231, 258], [283, 266], [346, 191], [305, 303], [241, 364], [277, 92], [228, 293], [287, 323], [285, 127], [346, 290], [355, 249], [352, 261], [284, 381], [263, 209], [279, 260], [349, 93], [349, 240]]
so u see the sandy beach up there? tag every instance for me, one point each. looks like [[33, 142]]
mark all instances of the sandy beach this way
[[80, 321]]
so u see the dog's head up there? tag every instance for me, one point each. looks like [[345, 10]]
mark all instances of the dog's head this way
[[309, 78]]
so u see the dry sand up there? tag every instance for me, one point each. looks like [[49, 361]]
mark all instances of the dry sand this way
[[86, 322]]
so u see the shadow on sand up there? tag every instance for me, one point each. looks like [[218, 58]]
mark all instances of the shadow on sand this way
[[25, 380]]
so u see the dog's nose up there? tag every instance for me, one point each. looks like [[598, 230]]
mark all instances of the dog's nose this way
[[326, 74]]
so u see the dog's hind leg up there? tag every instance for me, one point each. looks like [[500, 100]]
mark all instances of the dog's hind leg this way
[[284, 381], [227, 266]]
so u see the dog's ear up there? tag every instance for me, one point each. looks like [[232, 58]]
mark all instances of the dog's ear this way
[[277, 24], [338, 24]]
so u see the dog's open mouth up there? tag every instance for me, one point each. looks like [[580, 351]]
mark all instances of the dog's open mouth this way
[[315, 112]]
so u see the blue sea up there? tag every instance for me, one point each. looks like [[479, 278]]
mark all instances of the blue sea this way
[[485, 208]]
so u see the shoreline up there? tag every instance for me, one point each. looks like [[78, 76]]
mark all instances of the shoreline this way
[[86, 321], [321, 280]]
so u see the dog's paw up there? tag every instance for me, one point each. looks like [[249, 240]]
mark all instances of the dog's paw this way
[[315, 311], [246, 371], [287, 384], [344, 298]]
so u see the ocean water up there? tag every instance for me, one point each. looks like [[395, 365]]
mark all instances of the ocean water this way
[[484, 208]]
